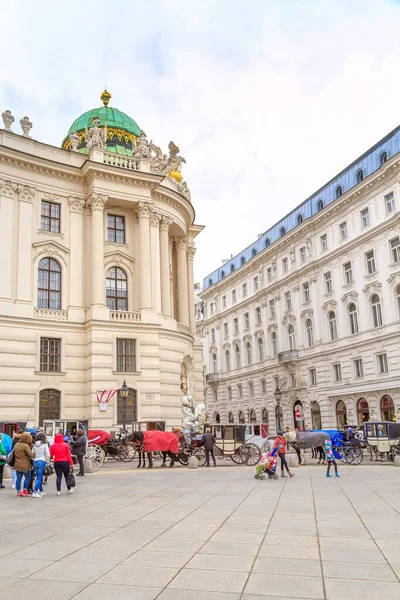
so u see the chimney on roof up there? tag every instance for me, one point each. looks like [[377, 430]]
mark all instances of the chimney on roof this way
[[225, 260]]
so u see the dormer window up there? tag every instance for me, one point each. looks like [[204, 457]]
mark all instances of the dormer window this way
[[383, 157], [360, 175], [339, 191], [232, 268], [267, 242], [320, 205], [242, 260], [282, 231], [299, 219], [253, 252]]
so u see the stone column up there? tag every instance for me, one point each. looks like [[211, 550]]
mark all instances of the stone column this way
[[143, 213], [97, 202], [155, 261], [9, 225], [165, 267], [26, 196], [191, 251], [183, 295], [76, 252]]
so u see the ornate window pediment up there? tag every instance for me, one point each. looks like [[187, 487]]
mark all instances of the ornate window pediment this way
[[226, 346], [272, 327], [350, 297], [236, 341], [117, 258], [307, 313], [247, 337], [213, 349], [288, 319], [329, 305], [372, 288], [259, 333], [50, 248], [394, 279]]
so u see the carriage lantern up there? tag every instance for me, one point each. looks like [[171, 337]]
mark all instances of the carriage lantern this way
[[124, 392]]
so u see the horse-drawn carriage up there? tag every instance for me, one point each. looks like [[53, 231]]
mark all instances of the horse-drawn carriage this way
[[383, 438], [231, 441]]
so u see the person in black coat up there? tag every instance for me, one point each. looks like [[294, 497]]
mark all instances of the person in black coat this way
[[78, 449], [209, 440]]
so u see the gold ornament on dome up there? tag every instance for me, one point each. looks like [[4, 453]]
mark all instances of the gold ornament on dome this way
[[105, 97], [177, 175], [111, 134]]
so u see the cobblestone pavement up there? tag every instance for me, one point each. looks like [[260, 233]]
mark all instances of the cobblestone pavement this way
[[208, 534]]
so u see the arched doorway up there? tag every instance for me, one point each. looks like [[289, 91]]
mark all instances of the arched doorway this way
[[217, 418], [49, 406], [362, 411], [298, 414], [316, 415], [241, 417], [130, 409], [387, 409], [278, 418], [253, 416], [264, 416], [231, 418], [341, 414]]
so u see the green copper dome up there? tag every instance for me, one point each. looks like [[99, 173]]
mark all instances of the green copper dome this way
[[121, 129]]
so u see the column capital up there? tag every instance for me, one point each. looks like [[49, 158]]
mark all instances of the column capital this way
[[96, 201], [143, 210], [165, 223], [191, 251], [8, 188], [26, 193], [155, 218], [76, 204], [181, 243]]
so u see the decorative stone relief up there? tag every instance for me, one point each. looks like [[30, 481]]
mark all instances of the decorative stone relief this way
[[7, 188], [165, 223], [26, 194], [372, 288], [119, 259], [155, 218], [308, 247], [26, 126], [75, 141], [259, 333], [288, 319], [96, 201], [191, 251], [95, 137], [349, 298], [76, 204], [306, 314], [50, 249], [143, 210], [141, 148], [272, 327], [181, 243], [329, 305], [8, 119]]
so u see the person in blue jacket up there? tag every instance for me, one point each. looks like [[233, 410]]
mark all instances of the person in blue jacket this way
[[330, 458]]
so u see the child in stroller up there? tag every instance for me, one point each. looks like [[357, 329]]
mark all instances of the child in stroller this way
[[267, 465]]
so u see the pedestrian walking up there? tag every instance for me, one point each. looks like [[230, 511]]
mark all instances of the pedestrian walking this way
[[3, 459], [78, 445], [63, 462], [42, 457], [281, 444], [330, 457], [32, 478], [23, 462], [209, 440]]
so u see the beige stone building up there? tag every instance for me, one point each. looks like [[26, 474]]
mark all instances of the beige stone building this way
[[97, 247], [313, 307]]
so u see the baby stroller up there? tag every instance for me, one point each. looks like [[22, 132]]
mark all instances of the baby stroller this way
[[267, 465]]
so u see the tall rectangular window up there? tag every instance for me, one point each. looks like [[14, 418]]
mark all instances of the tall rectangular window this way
[[312, 376], [348, 273], [50, 216], [324, 242], [337, 372], [126, 356], [358, 367], [225, 330], [370, 262], [328, 282], [306, 291], [233, 296], [288, 301], [263, 387], [269, 274], [272, 308], [246, 320], [258, 315], [229, 393], [244, 290], [116, 229], [303, 254], [395, 249], [236, 325], [240, 390], [390, 203], [285, 267], [365, 220], [256, 283], [382, 363], [50, 355], [224, 301], [343, 230], [251, 388], [213, 336]]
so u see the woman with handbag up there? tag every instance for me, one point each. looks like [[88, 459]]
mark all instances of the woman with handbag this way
[[23, 465], [3, 458], [63, 462]]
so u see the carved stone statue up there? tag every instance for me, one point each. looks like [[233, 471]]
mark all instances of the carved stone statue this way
[[95, 137], [174, 161], [308, 247], [142, 148], [75, 141], [26, 126], [292, 258], [8, 119], [183, 188]]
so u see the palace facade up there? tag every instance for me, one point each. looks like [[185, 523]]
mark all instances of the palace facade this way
[[313, 308], [97, 247]]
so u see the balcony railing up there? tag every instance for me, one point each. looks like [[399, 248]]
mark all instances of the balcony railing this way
[[125, 316], [210, 377], [50, 315], [115, 160], [288, 356]]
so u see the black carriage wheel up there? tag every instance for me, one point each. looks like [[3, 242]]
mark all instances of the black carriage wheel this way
[[200, 454], [127, 453], [183, 458], [358, 456], [251, 454], [238, 457]]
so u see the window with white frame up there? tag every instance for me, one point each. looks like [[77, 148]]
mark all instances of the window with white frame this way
[[274, 344], [246, 320], [376, 310], [229, 390], [126, 355], [258, 315], [240, 390], [337, 372], [238, 357], [213, 336], [358, 368], [291, 338], [370, 262], [288, 300], [365, 219], [328, 282], [256, 283], [226, 331], [269, 274], [309, 333], [263, 387], [332, 325], [212, 308], [324, 242], [224, 301], [395, 249], [353, 318], [343, 231], [244, 290], [390, 205], [251, 388], [233, 296], [348, 273], [272, 308], [236, 325], [50, 215], [214, 364], [302, 254], [382, 363], [227, 360], [312, 376], [285, 267], [260, 349], [306, 291], [249, 353]]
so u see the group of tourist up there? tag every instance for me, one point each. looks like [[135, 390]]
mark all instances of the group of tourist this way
[[30, 458]]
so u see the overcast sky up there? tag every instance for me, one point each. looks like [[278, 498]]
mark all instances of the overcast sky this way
[[267, 100]]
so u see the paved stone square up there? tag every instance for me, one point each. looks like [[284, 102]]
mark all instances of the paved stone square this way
[[208, 534]]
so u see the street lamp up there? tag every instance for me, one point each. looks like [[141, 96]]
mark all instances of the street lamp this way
[[124, 392], [278, 412]]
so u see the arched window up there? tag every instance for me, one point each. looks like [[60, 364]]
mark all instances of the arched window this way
[[116, 288], [214, 363], [339, 191], [130, 408], [253, 416], [49, 406], [383, 157], [332, 325], [362, 411], [222, 274], [274, 344], [298, 414], [292, 339], [253, 252], [264, 416], [310, 333], [248, 352], [231, 418], [241, 417], [387, 409], [320, 205], [299, 219], [316, 415], [267, 242], [228, 360], [341, 414], [49, 284], [217, 418], [242, 260], [398, 300], [359, 175], [353, 318], [260, 349], [376, 311], [282, 231], [237, 352], [210, 281], [232, 268]]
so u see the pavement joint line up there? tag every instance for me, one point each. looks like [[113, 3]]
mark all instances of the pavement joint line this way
[[318, 540]]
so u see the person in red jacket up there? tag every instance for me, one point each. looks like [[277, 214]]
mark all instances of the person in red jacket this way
[[63, 462]]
